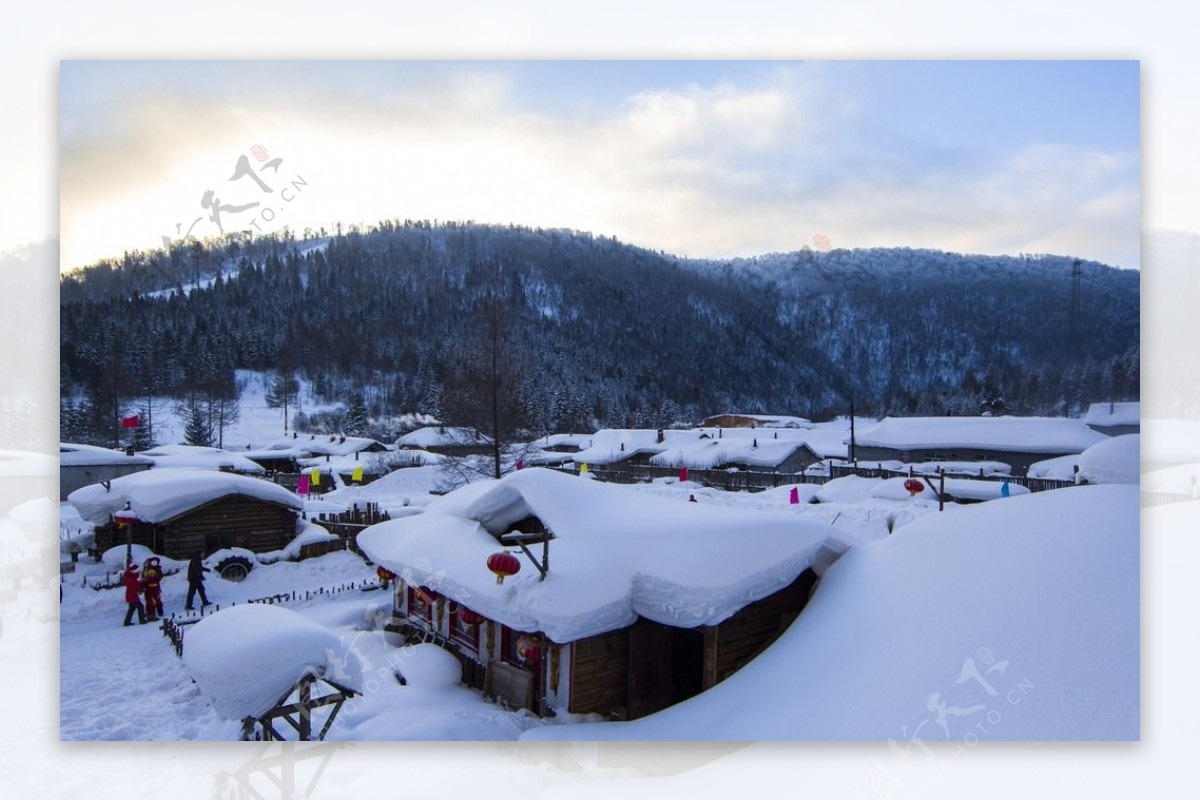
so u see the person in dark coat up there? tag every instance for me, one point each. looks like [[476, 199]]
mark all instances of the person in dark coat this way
[[195, 577], [133, 595]]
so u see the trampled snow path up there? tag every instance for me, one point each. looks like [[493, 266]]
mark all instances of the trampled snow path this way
[[135, 689]]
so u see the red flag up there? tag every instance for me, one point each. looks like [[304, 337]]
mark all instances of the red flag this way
[[683, 474], [130, 422], [520, 464]]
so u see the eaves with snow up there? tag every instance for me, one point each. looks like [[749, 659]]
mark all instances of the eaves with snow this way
[[1127, 413], [73, 454], [162, 494], [1016, 434], [196, 456], [322, 445], [616, 554]]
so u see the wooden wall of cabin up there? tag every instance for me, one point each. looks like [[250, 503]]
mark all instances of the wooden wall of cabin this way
[[232, 521], [600, 673], [734, 642]]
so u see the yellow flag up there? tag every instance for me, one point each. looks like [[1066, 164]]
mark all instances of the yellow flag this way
[[583, 468], [357, 474], [316, 476]]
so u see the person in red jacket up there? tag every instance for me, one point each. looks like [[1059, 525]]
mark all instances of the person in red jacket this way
[[133, 586], [152, 587]]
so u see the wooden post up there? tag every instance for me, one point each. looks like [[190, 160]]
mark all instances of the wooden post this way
[[305, 711], [941, 489]]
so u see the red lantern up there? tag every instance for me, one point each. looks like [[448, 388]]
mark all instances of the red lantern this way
[[125, 518], [428, 597], [503, 564], [529, 648], [913, 486], [469, 617]]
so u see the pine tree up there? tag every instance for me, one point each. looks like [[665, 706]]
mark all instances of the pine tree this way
[[355, 424], [199, 431]]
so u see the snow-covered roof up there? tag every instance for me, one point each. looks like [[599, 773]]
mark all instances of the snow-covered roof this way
[[765, 420], [617, 554], [1113, 461], [442, 437], [904, 636], [183, 456], [1018, 434], [70, 453], [245, 658], [321, 444], [1114, 414], [696, 447], [711, 453], [562, 441], [161, 494]]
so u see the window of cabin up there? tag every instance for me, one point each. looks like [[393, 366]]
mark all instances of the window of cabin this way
[[463, 634], [420, 604]]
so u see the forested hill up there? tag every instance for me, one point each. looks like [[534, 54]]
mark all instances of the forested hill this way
[[592, 331]]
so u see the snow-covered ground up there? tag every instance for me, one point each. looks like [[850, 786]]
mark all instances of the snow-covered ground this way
[[894, 593]]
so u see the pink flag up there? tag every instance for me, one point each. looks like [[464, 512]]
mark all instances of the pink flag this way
[[302, 489], [520, 464], [683, 473], [794, 495]]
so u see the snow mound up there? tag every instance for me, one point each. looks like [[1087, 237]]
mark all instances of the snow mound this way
[[429, 665], [245, 658], [1019, 434], [115, 556], [202, 458], [1114, 461], [893, 489], [1060, 467], [847, 489], [1004, 621]]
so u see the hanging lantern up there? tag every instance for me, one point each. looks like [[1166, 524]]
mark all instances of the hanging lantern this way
[[469, 617], [503, 564], [124, 518], [427, 597], [529, 648], [914, 486]]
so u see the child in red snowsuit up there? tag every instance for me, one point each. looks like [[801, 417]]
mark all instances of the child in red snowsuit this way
[[152, 588], [133, 585]]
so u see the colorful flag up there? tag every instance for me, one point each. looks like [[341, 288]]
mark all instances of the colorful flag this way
[[583, 468], [316, 476], [130, 422], [683, 474], [302, 487], [794, 495], [357, 474], [520, 464]]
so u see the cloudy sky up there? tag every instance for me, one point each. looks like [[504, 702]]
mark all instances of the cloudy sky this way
[[694, 158]]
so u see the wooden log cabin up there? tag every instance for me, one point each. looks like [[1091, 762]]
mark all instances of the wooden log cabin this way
[[625, 603], [177, 512], [624, 674]]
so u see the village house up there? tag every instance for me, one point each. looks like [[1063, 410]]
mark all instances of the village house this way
[[1115, 419], [175, 512], [1017, 441], [80, 465], [445, 440], [559, 593], [755, 421]]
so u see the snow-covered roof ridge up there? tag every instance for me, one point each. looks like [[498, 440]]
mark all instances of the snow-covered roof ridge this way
[[199, 456], [319, 445], [617, 554], [441, 436], [1019, 434], [72, 453], [161, 494], [1122, 413]]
